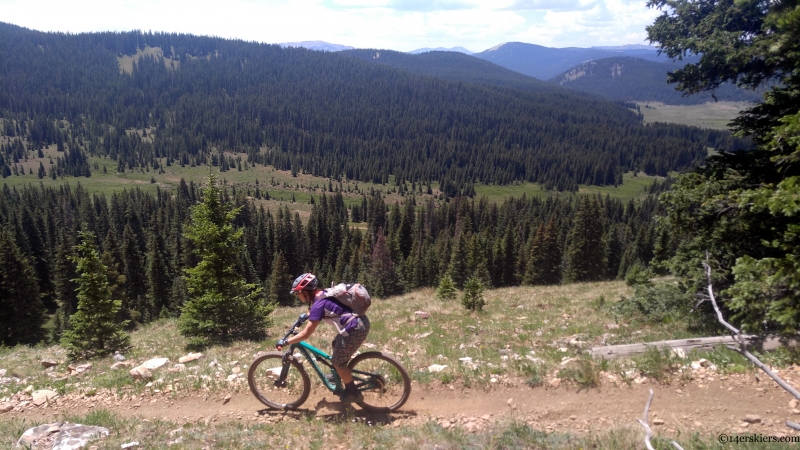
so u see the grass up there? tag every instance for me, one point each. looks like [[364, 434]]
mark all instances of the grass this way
[[708, 115], [350, 432], [522, 332], [522, 338]]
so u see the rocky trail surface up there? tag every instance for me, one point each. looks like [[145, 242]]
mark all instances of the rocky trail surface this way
[[706, 403]]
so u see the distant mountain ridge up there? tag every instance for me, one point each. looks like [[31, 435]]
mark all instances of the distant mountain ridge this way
[[441, 49], [452, 66], [635, 79], [544, 62], [317, 45]]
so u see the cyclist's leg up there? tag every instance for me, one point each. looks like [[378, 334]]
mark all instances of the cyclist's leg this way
[[345, 346]]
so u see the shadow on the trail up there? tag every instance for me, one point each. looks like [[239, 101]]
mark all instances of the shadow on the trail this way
[[337, 412]]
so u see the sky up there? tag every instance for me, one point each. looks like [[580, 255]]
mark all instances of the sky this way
[[402, 25]]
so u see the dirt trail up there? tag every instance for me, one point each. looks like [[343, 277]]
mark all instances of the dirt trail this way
[[711, 406]]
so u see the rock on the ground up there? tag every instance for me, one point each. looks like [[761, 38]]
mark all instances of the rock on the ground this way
[[752, 418], [68, 436], [133, 444], [793, 404], [226, 399], [119, 364], [155, 363], [433, 368], [2, 372], [49, 363], [119, 357], [190, 357], [658, 421], [42, 396], [141, 373], [422, 314], [6, 407], [555, 382], [79, 369]]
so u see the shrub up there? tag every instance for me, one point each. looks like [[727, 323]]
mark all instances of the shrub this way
[[639, 276], [472, 299], [584, 372], [656, 363], [446, 289], [657, 303]]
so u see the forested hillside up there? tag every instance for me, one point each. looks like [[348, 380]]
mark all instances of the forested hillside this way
[[635, 79], [144, 248], [191, 98]]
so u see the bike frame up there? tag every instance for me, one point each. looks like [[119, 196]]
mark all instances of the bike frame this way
[[363, 380], [314, 356]]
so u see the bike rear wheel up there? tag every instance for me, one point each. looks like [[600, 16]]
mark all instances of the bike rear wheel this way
[[263, 378], [384, 383]]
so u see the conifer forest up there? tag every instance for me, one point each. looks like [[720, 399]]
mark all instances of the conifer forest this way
[[154, 100]]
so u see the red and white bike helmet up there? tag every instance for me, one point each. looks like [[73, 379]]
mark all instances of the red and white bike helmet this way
[[305, 282]]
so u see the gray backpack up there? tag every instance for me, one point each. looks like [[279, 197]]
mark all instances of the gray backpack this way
[[354, 296]]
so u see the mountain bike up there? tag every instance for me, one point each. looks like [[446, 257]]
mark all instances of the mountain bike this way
[[279, 380]]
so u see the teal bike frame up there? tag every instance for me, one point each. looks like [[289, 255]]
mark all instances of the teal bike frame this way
[[363, 380], [317, 357]]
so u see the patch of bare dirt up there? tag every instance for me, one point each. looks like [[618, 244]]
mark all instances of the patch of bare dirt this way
[[711, 405]]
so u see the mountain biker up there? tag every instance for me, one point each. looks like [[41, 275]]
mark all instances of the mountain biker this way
[[352, 329]]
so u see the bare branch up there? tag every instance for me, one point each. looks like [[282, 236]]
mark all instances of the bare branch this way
[[649, 432], [737, 335]]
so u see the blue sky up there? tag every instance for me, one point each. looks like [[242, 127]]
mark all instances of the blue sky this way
[[390, 24]]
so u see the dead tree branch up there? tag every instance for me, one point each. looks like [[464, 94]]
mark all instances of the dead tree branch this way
[[649, 432], [737, 336]]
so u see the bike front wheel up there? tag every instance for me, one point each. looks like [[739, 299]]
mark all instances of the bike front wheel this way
[[265, 383], [384, 383]]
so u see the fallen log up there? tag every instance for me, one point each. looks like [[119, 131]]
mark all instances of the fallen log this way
[[705, 343]]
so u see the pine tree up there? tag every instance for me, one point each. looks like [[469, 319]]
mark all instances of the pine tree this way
[[279, 283], [64, 274], [544, 263], [446, 289], [21, 309], [472, 298], [221, 306], [586, 254], [93, 329]]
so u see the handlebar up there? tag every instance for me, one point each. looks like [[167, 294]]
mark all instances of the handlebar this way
[[300, 320]]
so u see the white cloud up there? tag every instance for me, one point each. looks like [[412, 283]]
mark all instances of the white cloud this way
[[396, 24]]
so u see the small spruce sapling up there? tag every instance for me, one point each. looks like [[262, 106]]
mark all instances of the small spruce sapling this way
[[93, 328], [446, 289], [472, 298]]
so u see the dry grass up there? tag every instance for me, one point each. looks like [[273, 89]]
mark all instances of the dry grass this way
[[520, 327]]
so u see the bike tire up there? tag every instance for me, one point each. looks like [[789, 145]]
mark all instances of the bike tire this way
[[392, 383], [262, 377]]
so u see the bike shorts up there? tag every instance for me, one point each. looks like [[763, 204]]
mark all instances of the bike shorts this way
[[345, 346]]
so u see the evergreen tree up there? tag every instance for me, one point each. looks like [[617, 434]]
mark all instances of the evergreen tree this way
[[586, 254], [64, 275], [21, 309], [93, 330], [221, 306], [446, 289], [159, 277], [279, 282], [136, 285], [458, 270], [381, 273], [544, 264], [472, 298]]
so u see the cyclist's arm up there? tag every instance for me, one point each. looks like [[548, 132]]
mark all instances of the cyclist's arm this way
[[305, 333]]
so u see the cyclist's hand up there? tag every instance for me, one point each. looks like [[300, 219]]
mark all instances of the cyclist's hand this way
[[281, 343]]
